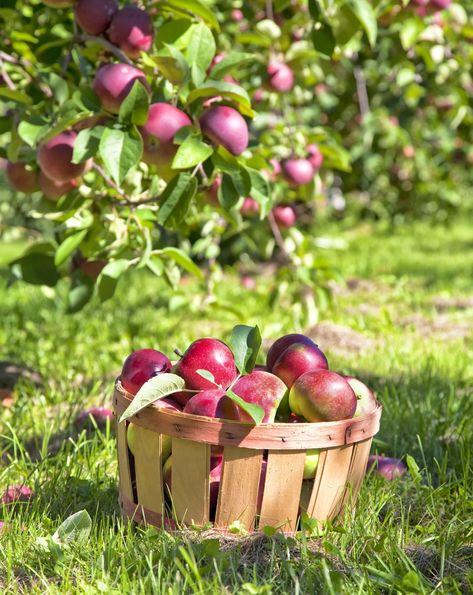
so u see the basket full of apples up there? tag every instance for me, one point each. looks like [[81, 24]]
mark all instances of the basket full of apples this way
[[216, 438]]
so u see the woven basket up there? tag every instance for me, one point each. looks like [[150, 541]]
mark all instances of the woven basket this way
[[344, 449]]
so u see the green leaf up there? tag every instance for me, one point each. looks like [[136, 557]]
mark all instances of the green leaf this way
[[413, 469], [155, 265], [254, 411], [365, 13], [175, 199], [37, 268], [201, 48], [245, 342], [120, 151], [87, 144], [109, 277], [233, 60], [228, 195], [182, 260], [75, 529], [207, 375], [135, 107], [64, 123], [260, 191], [192, 151], [323, 39], [79, 295], [191, 9], [410, 31], [16, 96], [154, 389], [32, 130], [224, 89], [68, 246], [314, 10]]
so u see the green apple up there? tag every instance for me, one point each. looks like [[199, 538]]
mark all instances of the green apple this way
[[311, 462], [131, 441]]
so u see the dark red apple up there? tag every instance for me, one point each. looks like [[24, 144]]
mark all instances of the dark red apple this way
[[315, 156], [211, 355], [100, 415], [142, 365], [164, 121], [131, 30], [366, 399], [55, 158], [94, 17], [22, 177], [298, 359], [322, 396], [90, 268], [53, 190], [16, 493], [298, 171], [284, 215], [212, 403], [225, 126], [387, 467], [281, 77], [113, 82], [249, 207], [281, 344], [441, 4], [263, 389]]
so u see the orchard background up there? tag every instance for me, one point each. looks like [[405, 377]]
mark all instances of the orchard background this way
[[203, 163]]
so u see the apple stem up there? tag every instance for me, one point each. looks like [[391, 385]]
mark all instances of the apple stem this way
[[178, 352]]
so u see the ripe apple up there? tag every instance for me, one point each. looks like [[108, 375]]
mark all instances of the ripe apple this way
[[211, 193], [55, 158], [211, 355], [225, 126], [94, 17], [387, 467], [131, 30], [315, 156], [298, 171], [366, 399], [53, 190], [16, 493], [284, 215], [322, 396], [282, 344], [263, 389], [212, 403], [22, 177], [100, 415], [249, 207], [142, 365], [298, 359], [90, 268], [166, 442], [281, 77], [311, 462], [113, 82]]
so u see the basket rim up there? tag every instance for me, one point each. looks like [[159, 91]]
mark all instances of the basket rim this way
[[220, 432]]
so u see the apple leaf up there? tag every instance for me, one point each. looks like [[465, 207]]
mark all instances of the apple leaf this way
[[207, 375], [75, 529], [135, 106], [154, 389], [256, 412], [245, 342], [231, 62]]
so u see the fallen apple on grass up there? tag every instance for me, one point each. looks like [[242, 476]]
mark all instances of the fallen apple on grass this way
[[93, 417], [386, 467]]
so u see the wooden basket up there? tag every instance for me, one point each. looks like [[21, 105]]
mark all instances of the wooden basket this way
[[344, 449]]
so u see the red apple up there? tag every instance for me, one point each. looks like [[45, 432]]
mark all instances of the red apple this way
[[211, 355], [22, 177], [298, 171], [387, 467], [211, 193], [281, 344], [94, 17], [55, 158], [113, 82], [225, 126], [16, 493], [366, 399], [100, 415], [54, 190], [131, 30], [284, 215], [322, 396], [237, 15], [90, 268], [281, 77], [249, 207], [142, 365], [212, 403], [263, 389], [248, 282], [298, 359], [315, 156]]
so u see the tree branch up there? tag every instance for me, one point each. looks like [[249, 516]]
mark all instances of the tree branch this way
[[84, 37]]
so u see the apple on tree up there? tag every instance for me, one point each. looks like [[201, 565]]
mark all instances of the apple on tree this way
[[298, 171], [224, 126], [284, 215], [22, 177], [131, 30], [55, 158], [52, 189], [113, 82], [94, 17]]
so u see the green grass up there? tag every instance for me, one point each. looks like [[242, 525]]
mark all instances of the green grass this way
[[410, 535]]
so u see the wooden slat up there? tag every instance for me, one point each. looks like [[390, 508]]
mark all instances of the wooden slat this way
[[148, 469], [239, 486], [282, 488], [124, 474], [330, 482], [190, 481], [357, 471]]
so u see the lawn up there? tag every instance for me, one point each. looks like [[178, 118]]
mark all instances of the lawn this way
[[403, 322]]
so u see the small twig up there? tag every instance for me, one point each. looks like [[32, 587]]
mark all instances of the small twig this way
[[269, 10], [361, 91], [109, 181], [278, 237], [6, 77], [84, 37]]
